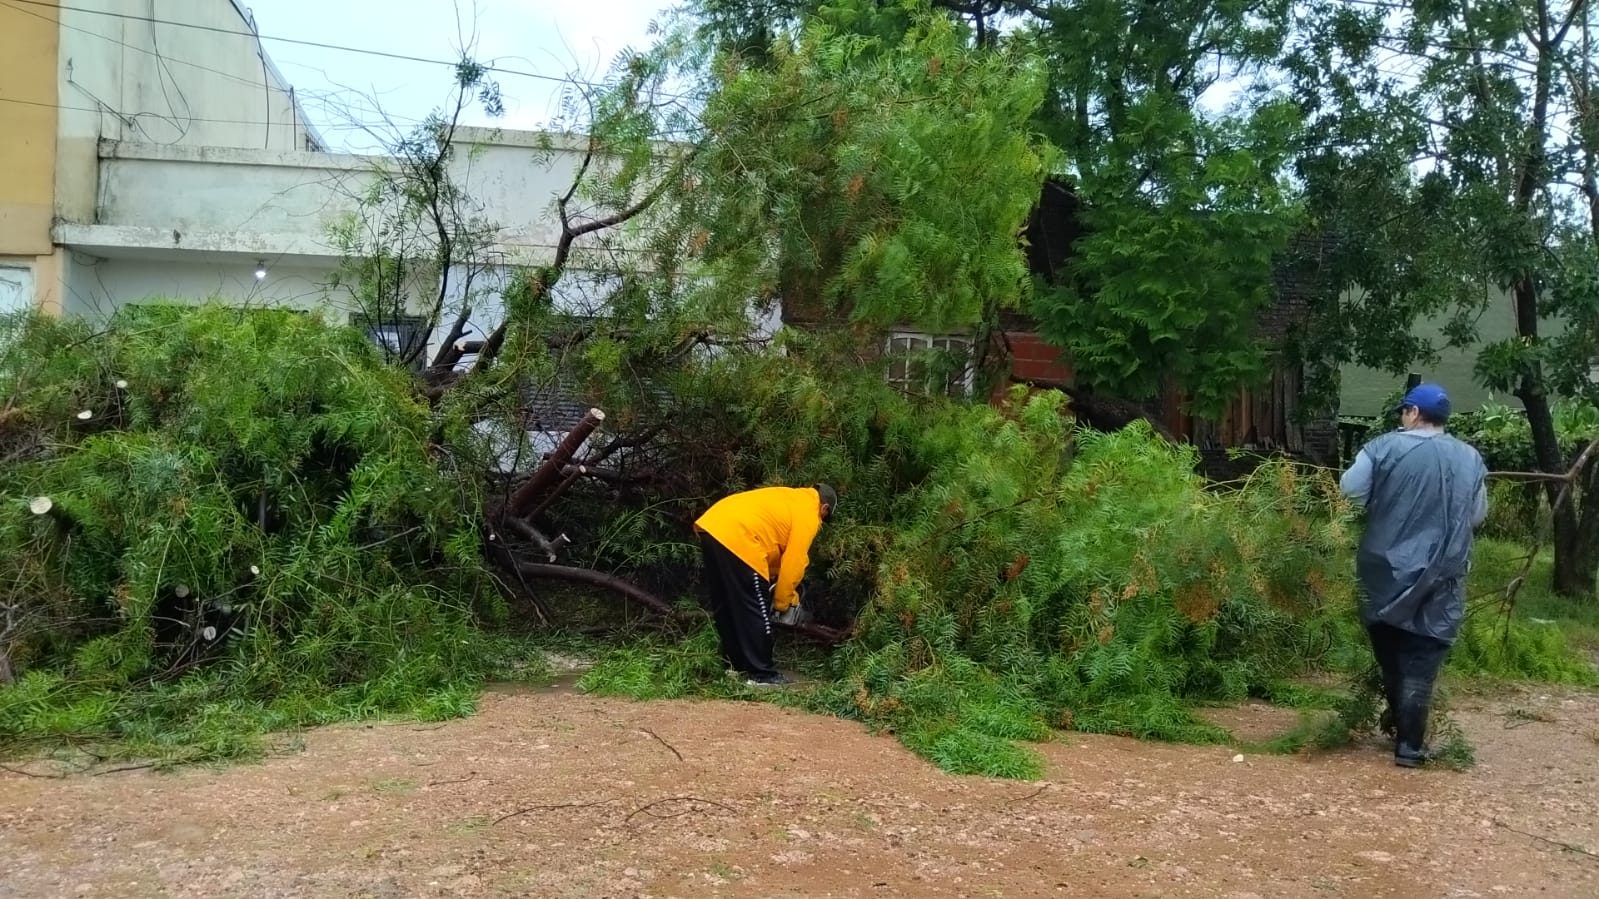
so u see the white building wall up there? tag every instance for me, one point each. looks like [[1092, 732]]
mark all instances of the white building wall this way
[[98, 286], [214, 189], [197, 77], [204, 215], [517, 176]]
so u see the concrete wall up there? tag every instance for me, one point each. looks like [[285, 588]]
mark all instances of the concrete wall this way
[[205, 215], [216, 189], [511, 177], [28, 48], [28, 123], [188, 84], [95, 287], [516, 176]]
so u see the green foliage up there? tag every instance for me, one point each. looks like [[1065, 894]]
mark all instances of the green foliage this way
[[248, 530], [1443, 154], [1186, 211], [1541, 637], [1106, 597], [872, 165], [1498, 644], [1518, 510], [1504, 438], [1185, 207], [663, 670], [1008, 574]]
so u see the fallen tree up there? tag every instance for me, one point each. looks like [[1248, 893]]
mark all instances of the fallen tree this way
[[254, 514]]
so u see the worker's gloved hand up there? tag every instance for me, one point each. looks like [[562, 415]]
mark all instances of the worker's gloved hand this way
[[794, 614]]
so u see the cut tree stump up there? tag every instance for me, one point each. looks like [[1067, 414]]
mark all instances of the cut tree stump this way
[[548, 475]]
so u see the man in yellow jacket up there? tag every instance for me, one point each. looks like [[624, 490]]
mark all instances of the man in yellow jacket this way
[[756, 546]]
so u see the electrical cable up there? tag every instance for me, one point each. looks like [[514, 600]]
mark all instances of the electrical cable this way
[[110, 111], [320, 45]]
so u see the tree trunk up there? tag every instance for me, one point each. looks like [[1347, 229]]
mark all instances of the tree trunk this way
[[1569, 576], [526, 497], [1585, 556], [1575, 547]]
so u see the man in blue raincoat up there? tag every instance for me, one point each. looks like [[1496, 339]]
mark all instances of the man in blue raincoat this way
[[1425, 493]]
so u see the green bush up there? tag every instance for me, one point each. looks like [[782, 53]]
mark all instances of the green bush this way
[[1504, 438], [1008, 574], [247, 523]]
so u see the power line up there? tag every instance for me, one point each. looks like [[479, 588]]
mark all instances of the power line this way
[[109, 111], [134, 47], [155, 20]]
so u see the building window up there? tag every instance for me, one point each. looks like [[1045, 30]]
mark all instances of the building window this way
[[400, 337], [929, 364], [16, 289]]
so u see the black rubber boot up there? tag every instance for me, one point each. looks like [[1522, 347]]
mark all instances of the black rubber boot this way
[[1386, 647], [1410, 722]]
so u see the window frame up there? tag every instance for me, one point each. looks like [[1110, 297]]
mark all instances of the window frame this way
[[900, 348], [417, 325]]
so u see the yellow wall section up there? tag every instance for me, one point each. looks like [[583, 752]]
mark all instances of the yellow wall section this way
[[29, 45]]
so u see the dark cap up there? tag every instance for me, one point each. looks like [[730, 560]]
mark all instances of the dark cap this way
[[1429, 399]]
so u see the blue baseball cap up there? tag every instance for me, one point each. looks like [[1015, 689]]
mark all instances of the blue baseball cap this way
[[1427, 398]]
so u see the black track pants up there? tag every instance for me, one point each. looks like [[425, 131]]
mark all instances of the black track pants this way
[[1410, 664], [739, 600]]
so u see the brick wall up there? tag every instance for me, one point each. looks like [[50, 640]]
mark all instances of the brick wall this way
[[1034, 360], [1300, 284]]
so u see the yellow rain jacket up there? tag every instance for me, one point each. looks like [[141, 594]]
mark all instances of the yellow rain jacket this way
[[770, 530]]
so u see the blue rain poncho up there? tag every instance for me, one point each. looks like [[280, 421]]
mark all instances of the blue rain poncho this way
[[1424, 492]]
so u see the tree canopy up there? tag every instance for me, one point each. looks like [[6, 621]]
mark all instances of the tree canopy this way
[[1453, 155]]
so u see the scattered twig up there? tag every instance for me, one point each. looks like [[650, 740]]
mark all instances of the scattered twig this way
[[1569, 847], [471, 775], [645, 808], [122, 768], [661, 740], [1028, 796], [57, 776], [550, 808]]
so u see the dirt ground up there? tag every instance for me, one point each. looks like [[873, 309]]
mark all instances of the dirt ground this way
[[552, 794]]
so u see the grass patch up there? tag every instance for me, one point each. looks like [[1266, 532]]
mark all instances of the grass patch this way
[[655, 668], [968, 750], [1542, 637], [200, 719]]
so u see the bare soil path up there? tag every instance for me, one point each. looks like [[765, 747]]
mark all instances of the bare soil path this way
[[552, 794]]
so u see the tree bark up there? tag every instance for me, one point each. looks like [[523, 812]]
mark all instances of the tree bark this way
[[548, 474], [594, 579], [1569, 578], [1582, 557]]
